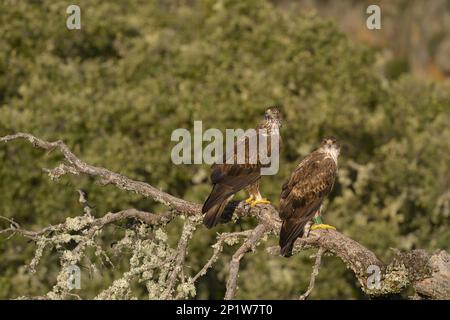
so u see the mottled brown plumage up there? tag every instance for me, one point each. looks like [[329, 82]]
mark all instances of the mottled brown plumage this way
[[230, 178], [303, 194]]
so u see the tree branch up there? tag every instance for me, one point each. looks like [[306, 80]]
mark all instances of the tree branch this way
[[177, 271], [249, 245], [76, 166], [428, 273], [314, 274], [218, 247]]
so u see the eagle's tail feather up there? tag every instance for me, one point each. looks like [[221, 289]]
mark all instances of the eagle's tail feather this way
[[214, 214], [217, 195], [289, 232], [215, 204]]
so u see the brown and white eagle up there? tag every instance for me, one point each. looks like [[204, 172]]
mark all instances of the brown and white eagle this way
[[229, 178], [302, 195]]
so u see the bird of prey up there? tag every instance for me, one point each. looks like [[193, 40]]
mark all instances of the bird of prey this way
[[229, 178], [302, 195]]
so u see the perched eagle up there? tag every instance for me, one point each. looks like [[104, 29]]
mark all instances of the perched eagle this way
[[230, 177], [302, 195]]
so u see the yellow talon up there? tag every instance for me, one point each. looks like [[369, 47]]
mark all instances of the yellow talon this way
[[249, 200], [322, 226], [262, 201]]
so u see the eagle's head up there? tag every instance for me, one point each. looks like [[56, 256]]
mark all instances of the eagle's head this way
[[331, 146], [272, 116]]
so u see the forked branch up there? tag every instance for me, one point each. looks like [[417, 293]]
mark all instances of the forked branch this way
[[429, 274]]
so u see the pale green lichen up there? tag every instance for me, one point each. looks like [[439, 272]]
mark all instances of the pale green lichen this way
[[186, 290], [78, 223], [160, 235], [40, 246], [394, 280], [152, 260], [231, 241], [120, 289]]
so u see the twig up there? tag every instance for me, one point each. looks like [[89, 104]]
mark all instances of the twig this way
[[186, 234], [218, 247], [314, 274], [147, 217], [249, 244]]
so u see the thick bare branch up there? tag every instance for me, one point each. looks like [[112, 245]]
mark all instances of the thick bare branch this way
[[413, 267], [77, 166], [437, 286]]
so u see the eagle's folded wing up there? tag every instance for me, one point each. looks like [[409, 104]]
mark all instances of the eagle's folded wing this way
[[303, 195]]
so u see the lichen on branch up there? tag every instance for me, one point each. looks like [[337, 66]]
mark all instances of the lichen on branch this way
[[162, 268]]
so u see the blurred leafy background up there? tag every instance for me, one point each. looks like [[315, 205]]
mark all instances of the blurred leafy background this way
[[116, 89]]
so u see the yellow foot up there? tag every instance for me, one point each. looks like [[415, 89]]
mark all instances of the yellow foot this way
[[263, 201], [249, 200], [322, 226]]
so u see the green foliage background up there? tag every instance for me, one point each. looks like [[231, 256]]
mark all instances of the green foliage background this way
[[116, 89]]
